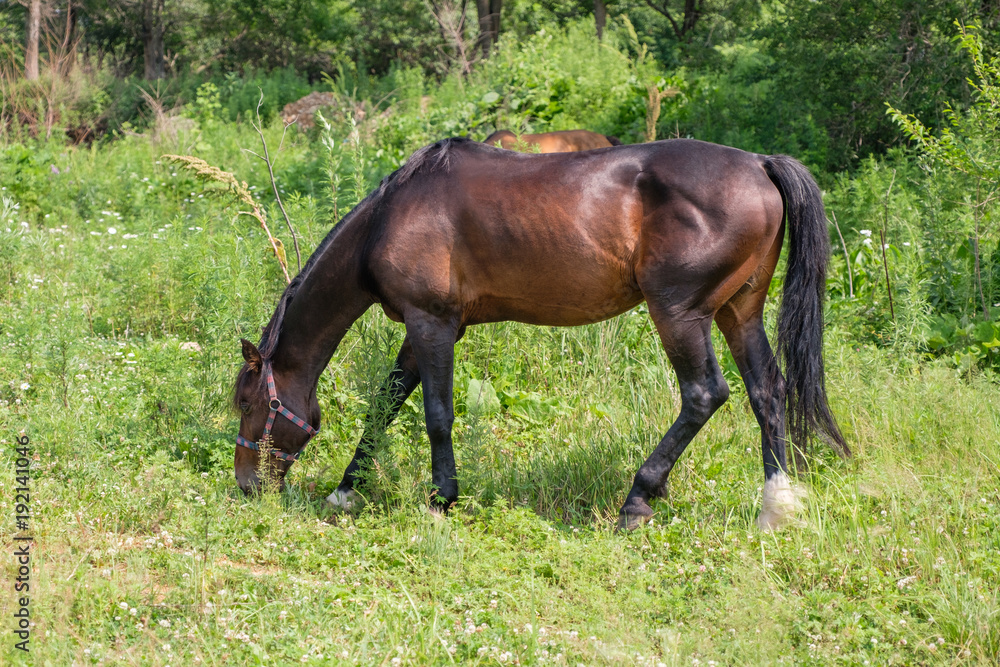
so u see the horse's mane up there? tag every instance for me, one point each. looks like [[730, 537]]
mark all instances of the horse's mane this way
[[427, 159]]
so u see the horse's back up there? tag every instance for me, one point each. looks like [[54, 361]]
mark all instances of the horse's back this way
[[495, 230]]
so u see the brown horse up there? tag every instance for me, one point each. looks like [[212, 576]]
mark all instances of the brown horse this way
[[466, 234], [564, 141]]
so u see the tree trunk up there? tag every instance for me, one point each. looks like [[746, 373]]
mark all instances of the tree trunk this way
[[692, 12], [489, 23], [31, 48], [152, 39], [600, 17], [66, 55]]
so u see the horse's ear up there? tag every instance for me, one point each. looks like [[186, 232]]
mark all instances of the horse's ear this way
[[252, 355]]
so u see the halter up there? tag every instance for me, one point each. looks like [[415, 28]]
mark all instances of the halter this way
[[275, 405]]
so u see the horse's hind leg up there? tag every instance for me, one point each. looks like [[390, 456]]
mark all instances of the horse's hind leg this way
[[402, 380], [687, 339], [741, 322]]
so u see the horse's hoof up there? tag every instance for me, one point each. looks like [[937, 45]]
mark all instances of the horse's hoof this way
[[781, 505], [440, 507], [344, 500], [634, 515], [437, 511]]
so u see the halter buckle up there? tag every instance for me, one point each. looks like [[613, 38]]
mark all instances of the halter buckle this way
[[274, 404]]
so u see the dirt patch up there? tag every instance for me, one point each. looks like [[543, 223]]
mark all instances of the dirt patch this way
[[303, 111]]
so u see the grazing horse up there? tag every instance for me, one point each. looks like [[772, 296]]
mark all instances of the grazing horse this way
[[465, 233], [564, 141]]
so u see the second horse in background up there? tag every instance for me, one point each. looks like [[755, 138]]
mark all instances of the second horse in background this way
[[564, 141]]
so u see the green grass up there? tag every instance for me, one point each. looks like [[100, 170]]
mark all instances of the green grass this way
[[147, 554]]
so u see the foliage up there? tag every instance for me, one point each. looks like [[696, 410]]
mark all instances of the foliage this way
[[927, 230], [971, 345], [299, 34], [239, 93], [521, 19], [394, 33], [969, 147], [798, 77], [839, 66], [741, 104], [551, 81], [811, 78], [72, 106], [207, 104], [967, 141]]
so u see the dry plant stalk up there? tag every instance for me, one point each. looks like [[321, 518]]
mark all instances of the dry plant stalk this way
[[847, 256], [882, 234], [239, 192], [654, 97]]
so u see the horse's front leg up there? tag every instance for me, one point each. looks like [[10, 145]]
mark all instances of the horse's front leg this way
[[433, 339], [402, 380]]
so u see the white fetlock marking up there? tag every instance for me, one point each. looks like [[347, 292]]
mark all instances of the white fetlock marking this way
[[345, 500], [782, 503]]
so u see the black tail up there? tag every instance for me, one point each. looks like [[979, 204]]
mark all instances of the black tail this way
[[615, 141], [799, 344]]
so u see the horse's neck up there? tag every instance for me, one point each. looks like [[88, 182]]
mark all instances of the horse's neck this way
[[329, 300]]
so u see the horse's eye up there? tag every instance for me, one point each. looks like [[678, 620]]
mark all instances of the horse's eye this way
[[245, 407]]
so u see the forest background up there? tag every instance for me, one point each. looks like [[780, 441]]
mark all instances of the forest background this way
[[818, 80], [128, 279]]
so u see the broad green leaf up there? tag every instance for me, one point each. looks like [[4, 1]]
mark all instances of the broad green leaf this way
[[481, 398]]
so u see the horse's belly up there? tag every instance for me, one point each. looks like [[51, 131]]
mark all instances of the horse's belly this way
[[554, 303]]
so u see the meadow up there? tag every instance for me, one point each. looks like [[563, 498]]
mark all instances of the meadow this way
[[125, 291], [128, 280]]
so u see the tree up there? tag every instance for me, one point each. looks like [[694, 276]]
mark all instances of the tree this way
[[152, 39], [835, 63], [34, 27], [450, 16], [489, 24], [125, 29], [600, 17], [308, 35], [689, 16]]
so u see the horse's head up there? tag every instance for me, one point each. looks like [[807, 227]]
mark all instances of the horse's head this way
[[279, 416]]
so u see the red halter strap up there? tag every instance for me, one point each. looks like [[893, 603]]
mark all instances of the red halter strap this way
[[276, 407]]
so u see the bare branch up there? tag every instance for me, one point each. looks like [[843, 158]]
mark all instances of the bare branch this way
[[274, 184], [451, 19], [666, 12], [850, 274]]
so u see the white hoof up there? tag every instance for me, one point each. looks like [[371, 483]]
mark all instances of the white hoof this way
[[345, 500], [782, 503]]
